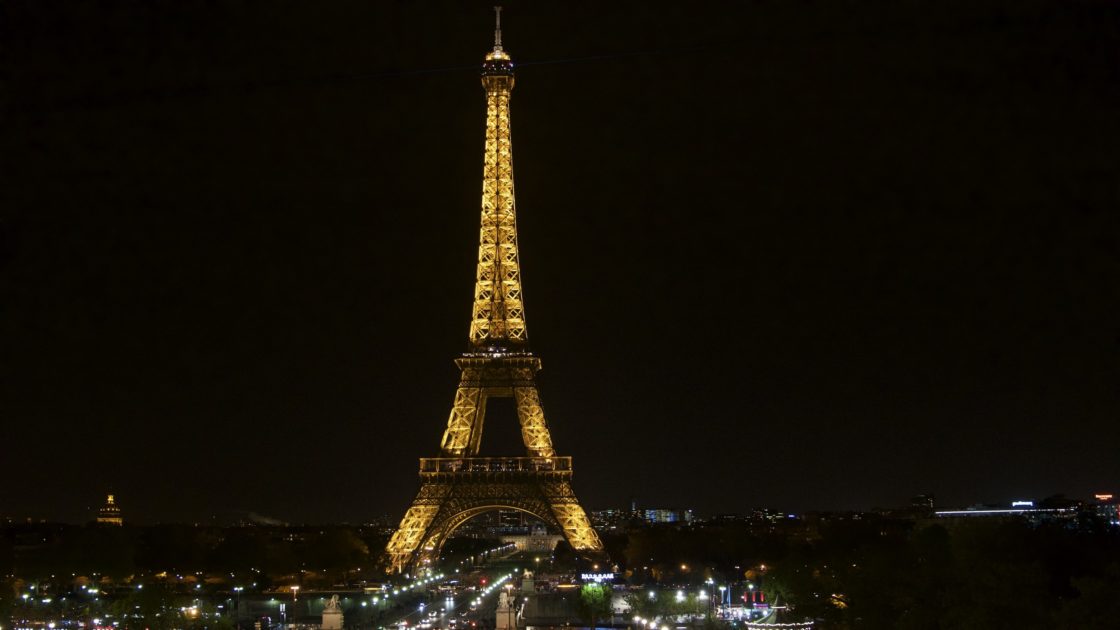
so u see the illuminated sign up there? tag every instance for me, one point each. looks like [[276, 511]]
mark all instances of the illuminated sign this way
[[596, 577]]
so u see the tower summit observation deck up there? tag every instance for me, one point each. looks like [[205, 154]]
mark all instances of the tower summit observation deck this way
[[459, 485]]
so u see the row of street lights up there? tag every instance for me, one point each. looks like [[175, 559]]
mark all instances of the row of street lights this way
[[707, 594]]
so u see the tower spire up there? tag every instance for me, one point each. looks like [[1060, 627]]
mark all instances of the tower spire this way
[[497, 29]]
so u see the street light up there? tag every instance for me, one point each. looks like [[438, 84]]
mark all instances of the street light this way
[[509, 606], [237, 605]]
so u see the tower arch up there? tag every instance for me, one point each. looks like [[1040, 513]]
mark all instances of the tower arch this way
[[430, 548]]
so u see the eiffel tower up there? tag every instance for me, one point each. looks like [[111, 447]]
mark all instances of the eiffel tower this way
[[459, 485]]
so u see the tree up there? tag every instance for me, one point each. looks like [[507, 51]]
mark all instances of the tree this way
[[594, 602], [7, 598], [1097, 605]]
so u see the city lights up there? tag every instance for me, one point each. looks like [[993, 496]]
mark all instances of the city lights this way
[[833, 289]]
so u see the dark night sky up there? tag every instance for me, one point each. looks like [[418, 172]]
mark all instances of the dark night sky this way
[[795, 254]]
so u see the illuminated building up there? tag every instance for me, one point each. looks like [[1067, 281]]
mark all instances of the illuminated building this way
[[1018, 509], [458, 485], [1107, 509], [110, 514], [613, 518], [663, 515], [619, 519]]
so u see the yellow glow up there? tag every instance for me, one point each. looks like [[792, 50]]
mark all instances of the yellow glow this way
[[498, 365]]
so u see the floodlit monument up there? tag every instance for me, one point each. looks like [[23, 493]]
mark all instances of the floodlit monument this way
[[459, 484], [332, 614], [110, 513], [505, 617]]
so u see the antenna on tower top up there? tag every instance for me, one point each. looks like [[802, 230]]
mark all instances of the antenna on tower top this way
[[497, 28]]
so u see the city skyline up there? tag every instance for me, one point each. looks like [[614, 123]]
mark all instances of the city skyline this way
[[111, 512], [767, 263]]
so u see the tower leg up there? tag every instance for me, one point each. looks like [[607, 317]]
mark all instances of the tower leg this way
[[534, 430], [414, 527], [573, 521], [469, 405]]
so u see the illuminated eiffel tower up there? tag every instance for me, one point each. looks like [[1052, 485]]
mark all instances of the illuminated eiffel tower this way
[[459, 485]]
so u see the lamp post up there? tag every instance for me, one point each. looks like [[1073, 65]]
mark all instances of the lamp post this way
[[237, 606]]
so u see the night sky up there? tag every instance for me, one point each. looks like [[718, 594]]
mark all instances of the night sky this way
[[807, 255]]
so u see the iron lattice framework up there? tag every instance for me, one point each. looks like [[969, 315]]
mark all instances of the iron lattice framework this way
[[498, 316], [460, 485]]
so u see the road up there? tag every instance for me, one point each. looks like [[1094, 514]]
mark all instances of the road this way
[[457, 600]]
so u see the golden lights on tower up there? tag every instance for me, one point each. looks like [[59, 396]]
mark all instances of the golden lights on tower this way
[[459, 485]]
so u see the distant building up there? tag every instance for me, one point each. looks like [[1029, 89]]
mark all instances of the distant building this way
[[1107, 509], [110, 514], [1053, 509], [612, 519], [922, 502], [622, 519], [667, 516], [512, 521], [770, 515]]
